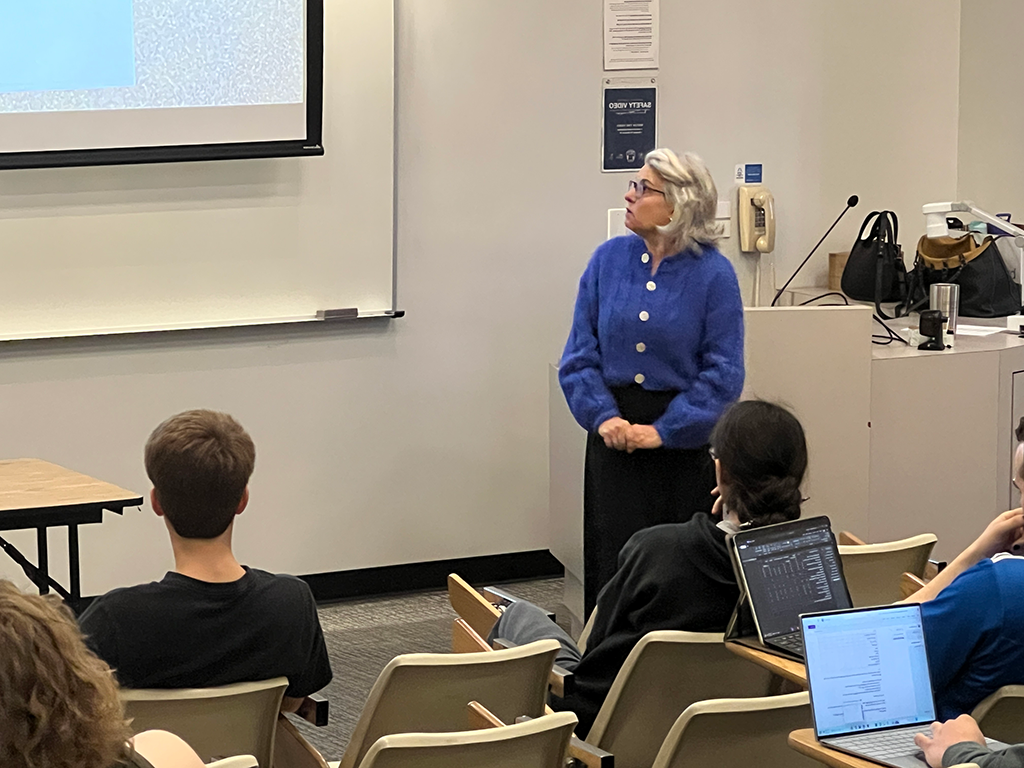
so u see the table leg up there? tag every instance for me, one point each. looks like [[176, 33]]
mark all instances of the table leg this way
[[73, 567], [44, 560]]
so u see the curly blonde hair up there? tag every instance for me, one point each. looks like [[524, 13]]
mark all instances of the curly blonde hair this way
[[59, 704]]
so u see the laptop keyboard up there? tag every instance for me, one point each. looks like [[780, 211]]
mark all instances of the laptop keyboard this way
[[790, 642], [896, 743]]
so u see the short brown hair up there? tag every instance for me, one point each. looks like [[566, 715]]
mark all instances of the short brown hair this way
[[59, 704], [199, 463]]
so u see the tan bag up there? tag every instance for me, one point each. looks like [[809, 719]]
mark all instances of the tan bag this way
[[986, 287]]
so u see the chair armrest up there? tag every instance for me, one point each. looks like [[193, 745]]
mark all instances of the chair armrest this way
[[909, 584], [291, 748], [480, 717], [932, 569], [845, 537], [590, 756], [315, 709], [561, 682], [496, 596], [466, 640], [471, 605], [582, 753], [503, 599]]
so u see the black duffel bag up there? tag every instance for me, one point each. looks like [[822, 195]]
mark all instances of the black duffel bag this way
[[875, 271]]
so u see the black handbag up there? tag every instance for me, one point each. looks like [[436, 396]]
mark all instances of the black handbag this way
[[875, 271], [986, 287]]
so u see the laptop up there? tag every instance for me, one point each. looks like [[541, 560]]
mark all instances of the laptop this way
[[785, 570], [871, 692]]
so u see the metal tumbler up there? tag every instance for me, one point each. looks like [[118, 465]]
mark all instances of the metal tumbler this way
[[945, 297]]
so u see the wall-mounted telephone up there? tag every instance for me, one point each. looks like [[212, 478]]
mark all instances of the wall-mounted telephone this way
[[756, 212]]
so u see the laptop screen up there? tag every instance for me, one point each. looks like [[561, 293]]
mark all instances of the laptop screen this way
[[789, 569], [867, 669]]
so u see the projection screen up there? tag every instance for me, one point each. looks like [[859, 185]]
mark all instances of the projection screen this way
[[93, 82]]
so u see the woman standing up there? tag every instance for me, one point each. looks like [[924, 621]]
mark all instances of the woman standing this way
[[654, 357]]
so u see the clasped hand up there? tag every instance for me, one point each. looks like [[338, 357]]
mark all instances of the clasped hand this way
[[623, 436]]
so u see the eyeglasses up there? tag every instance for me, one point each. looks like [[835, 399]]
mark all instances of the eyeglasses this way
[[641, 187], [712, 454]]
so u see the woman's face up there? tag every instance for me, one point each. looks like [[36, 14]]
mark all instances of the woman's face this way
[[648, 211]]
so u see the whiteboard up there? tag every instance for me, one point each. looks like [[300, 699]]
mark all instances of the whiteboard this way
[[120, 249]]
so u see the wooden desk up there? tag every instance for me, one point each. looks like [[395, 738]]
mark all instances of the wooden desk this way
[[788, 669], [38, 494], [804, 742]]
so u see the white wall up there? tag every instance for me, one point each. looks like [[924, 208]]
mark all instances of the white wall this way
[[835, 98], [426, 438], [991, 146]]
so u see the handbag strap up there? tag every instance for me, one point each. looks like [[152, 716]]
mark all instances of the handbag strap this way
[[883, 224], [868, 223], [894, 225], [888, 227]]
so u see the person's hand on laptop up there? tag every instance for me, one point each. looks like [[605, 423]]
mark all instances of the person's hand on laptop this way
[[945, 735]]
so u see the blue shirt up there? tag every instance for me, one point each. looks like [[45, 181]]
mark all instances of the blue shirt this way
[[974, 631], [679, 330]]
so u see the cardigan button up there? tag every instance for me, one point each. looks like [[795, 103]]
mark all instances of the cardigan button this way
[[644, 316], [639, 378], [641, 347], [650, 285], [645, 258]]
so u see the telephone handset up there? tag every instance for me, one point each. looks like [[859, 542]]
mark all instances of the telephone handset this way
[[756, 219]]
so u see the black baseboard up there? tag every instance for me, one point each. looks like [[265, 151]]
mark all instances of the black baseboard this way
[[422, 577], [431, 575]]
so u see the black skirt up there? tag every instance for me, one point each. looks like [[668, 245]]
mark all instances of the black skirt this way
[[626, 492]]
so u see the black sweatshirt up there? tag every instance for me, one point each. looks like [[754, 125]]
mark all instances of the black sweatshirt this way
[[676, 576]]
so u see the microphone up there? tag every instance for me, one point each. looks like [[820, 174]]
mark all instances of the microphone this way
[[851, 202]]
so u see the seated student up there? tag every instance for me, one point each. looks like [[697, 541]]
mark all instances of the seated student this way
[[960, 741], [210, 621], [59, 704], [679, 576], [973, 624]]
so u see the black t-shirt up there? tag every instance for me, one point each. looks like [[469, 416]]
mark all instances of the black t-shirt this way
[[184, 633]]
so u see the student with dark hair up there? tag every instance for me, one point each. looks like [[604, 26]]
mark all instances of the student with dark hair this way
[[210, 621], [679, 575]]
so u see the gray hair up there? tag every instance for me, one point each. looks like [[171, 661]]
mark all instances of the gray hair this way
[[691, 192]]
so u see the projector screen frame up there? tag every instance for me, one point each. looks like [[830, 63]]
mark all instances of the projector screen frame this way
[[311, 146]]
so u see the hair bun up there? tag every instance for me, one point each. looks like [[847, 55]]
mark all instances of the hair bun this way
[[774, 500]]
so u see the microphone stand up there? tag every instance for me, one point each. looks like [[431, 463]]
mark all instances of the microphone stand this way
[[849, 204]]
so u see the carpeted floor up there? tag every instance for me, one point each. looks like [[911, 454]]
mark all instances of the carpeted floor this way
[[363, 636]]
